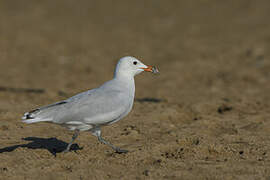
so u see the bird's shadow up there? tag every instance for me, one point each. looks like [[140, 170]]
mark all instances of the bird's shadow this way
[[53, 145]]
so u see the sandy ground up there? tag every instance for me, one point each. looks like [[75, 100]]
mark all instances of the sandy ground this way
[[206, 116]]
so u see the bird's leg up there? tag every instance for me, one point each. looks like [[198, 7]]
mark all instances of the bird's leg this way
[[75, 135], [116, 149], [97, 132]]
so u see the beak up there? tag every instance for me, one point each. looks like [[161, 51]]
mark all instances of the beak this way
[[152, 69], [148, 69]]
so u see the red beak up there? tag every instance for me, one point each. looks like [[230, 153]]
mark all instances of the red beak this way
[[148, 69]]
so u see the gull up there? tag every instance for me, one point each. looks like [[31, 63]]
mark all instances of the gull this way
[[92, 109]]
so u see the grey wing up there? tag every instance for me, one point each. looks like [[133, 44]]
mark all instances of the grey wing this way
[[98, 107], [48, 112], [42, 113]]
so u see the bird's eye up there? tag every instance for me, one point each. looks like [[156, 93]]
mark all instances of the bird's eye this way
[[135, 62]]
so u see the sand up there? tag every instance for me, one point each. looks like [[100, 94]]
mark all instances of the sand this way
[[206, 116]]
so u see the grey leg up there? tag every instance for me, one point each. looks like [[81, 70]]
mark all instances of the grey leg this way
[[75, 135], [97, 132]]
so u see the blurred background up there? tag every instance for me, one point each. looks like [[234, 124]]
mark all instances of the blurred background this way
[[212, 92]]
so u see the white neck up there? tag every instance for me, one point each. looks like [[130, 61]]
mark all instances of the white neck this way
[[126, 81]]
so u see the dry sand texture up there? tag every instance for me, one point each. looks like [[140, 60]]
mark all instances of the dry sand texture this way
[[206, 116]]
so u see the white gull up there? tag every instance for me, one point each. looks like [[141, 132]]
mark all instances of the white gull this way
[[90, 110]]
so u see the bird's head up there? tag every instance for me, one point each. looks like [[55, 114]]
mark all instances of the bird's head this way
[[131, 66]]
